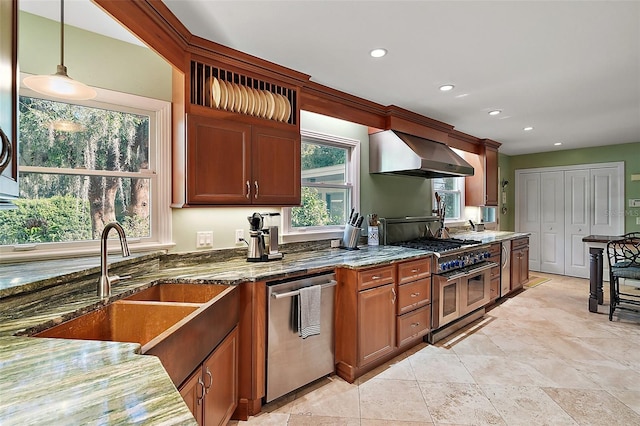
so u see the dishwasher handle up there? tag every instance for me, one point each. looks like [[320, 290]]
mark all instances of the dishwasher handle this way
[[291, 293]]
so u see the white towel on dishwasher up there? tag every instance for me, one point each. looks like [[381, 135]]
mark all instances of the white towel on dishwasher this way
[[309, 311]]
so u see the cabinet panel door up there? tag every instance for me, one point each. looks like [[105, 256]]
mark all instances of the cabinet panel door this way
[[8, 99], [218, 161], [276, 167], [191, 391], [491, 177], [220, 374], [376, 323]]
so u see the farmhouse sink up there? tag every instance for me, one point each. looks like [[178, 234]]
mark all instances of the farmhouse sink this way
[[122, 322], [179, 323], [185, 293]]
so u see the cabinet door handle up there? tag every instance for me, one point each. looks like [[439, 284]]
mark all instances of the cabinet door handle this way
[[210, 380], [416, 294], [248, 188], [255, 183], [5, 151], [201, 397], [393, 291]]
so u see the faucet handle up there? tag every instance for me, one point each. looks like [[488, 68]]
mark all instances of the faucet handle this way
[[115, 278]]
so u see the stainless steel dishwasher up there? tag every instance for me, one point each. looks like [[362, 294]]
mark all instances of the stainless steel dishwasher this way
[[292, 361]]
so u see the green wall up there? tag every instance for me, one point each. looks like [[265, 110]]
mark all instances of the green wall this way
[[628, 153], [91, 58]]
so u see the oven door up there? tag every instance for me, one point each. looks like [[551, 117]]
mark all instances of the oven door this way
[[446, 298], [475, 288]]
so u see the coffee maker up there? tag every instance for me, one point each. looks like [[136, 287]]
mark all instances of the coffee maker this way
[[259, 251]]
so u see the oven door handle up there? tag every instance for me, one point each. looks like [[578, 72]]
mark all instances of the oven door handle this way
[[480, 269], [456, 276]]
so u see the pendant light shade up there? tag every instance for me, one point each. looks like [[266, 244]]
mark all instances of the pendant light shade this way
[[60, 85]]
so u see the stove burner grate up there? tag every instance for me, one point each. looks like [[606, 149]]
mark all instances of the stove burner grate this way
[[435, 244]]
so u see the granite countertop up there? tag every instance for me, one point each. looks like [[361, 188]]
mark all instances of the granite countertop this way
[[73, 382], [77, 382], [487, 237]]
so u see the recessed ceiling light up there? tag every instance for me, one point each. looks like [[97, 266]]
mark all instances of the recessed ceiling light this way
[[528, 128], [378, 53], [558, 143], [446, 87], [495, 112]]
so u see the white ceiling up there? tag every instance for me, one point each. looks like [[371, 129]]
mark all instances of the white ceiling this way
[[570, 69]]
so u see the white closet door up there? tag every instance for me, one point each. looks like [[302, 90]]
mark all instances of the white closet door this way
[[607, 192], [578, 218], [528, 217], [552, 222]]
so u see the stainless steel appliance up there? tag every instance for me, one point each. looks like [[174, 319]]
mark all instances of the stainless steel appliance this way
[[256, 239], [462, 274], [258, 250], [505, 284], [291, 360], [393, 152], [461, 289]]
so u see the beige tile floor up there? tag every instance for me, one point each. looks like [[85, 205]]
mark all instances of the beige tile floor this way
[[539, 358]]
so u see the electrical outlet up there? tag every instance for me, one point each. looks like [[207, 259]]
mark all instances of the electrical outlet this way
[[239, 235], [637, 220], [634, 202], [204, 239]]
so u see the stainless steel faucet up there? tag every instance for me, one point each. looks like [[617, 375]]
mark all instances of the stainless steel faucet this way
[[104, 285]]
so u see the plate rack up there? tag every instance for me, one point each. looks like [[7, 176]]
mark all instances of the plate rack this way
[[213, 86]]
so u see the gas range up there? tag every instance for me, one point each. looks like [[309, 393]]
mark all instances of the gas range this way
[[452, 253]]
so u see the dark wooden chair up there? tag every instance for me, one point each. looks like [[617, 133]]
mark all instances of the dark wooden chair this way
[[624, 262]]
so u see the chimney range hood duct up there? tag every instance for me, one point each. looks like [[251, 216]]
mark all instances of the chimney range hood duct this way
[[392, 152]]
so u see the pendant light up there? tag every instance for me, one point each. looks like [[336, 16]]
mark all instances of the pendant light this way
[[60, 85]]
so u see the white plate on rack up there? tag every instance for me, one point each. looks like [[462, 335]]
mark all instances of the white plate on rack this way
[[212, 92], [271, 105]]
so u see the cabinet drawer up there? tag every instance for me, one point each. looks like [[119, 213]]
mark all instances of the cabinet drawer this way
[[414, 295], [494, 249], [413, 324], [495, 288], [519, 243], [495, 272], [375, 277], [416, 269]]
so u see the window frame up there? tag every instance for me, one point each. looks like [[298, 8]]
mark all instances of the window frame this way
[[159, 113], [461, 190], [312, 233]]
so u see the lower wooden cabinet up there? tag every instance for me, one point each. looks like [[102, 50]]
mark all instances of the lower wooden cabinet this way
[[519, 263], [376, 319], [211, 392], [495, 251]]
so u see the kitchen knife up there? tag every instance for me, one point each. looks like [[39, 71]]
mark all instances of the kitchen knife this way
[[353, 210], [359, 222], [355, 218]]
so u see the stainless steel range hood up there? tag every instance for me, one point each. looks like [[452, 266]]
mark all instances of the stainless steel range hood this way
[[393, 152]]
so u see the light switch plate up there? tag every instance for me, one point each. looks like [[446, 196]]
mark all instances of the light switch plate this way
[[204, 239], [638, 220], [634, 202]]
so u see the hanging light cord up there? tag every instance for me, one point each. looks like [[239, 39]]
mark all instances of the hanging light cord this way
[[62, 32]]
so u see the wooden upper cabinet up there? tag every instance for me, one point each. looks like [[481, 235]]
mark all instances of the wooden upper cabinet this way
[[275, 167], [481, 189], [242, 139], [218, 161], [8, 101]]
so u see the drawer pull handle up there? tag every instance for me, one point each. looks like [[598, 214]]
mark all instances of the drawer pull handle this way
[[415, 324], [415, 271], [415, 294], [376, 277]]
